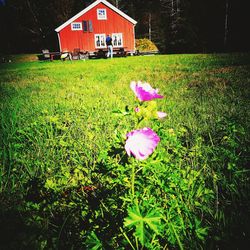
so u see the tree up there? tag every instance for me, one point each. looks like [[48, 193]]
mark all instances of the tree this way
[[173, 25], [37, 20], [226, 23]]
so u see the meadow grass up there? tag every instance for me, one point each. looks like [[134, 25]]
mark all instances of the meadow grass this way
[[65, 178]]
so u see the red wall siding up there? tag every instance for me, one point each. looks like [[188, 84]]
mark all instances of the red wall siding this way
[[85, 40]]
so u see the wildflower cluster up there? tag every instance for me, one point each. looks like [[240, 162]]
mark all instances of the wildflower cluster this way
[[142, 142]]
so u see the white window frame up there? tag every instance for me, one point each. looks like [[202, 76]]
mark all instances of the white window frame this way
[[101, 46], [101, 17], [78, 23], [114, 42]]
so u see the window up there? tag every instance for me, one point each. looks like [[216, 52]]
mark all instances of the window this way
[[117, 40], [76, 26], [87, 26], [100, 41], [101, 14], [90, 26]]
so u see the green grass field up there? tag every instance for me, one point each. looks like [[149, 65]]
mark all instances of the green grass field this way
[[66, 181]]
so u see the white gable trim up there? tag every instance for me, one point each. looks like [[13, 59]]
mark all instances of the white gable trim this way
[[92, 6]]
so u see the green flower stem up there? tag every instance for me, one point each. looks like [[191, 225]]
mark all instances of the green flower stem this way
[[128, 240], [133, 181]]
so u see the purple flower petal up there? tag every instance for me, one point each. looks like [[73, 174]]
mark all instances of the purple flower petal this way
[[144, 92], [141, 143], [161, 114]]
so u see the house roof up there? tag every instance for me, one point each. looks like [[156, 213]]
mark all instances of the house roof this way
[[92, 6]]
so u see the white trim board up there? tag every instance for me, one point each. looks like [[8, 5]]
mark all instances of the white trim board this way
[[92, 6]]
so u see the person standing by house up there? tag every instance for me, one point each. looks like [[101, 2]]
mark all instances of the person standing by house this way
[[110, 46]]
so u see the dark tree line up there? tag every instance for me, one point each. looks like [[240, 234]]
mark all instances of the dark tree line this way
[[176, 26]]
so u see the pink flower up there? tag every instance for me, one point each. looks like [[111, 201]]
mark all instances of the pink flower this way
[[144, 92], [161, 114], [137, 109], [141, 143]]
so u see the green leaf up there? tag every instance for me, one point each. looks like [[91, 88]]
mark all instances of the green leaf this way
[[93, 242], [144, 224], [200, 231]]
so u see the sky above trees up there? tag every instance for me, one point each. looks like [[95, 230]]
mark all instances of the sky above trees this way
[[176, 26]]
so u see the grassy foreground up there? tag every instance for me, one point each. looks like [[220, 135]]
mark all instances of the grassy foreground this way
[[67, 183]]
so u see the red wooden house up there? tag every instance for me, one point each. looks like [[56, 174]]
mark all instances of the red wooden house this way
[[87, 30]]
